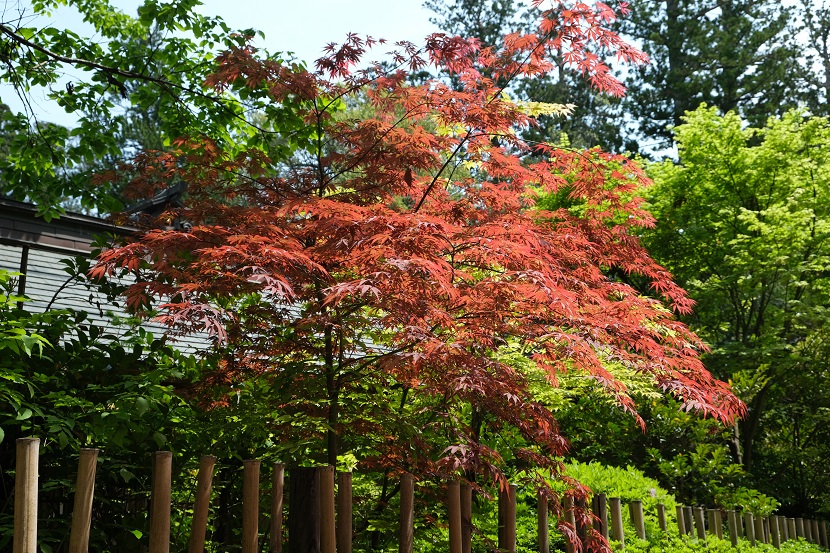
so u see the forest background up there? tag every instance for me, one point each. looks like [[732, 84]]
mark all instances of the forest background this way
[[728, 119]]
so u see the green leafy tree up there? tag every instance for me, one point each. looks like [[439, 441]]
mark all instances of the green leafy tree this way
[[744, 224]]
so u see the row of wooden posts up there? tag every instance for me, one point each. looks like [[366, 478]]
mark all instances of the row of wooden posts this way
[[313, 527]]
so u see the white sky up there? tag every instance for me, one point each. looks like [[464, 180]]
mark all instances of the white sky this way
[[300, 26]]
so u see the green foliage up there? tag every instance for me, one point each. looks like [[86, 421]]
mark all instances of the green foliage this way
[[743, 224], [675, 544]]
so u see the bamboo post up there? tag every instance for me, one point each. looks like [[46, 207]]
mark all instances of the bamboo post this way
[[25, 495], [507, 518], [250, 506], [407, 514], [699, 523], [82, 510], [344, 512], [601, 511], [615, 506], [201, 504], [454, 514], [570, 518], [749, 528], [799, 527], [681, 521], [160, 502], [732, 520], [277, 494], [759, 530], [466, 518], [661, 517], [774, 532], [791, 529], [635, 509], [541, 522], [328, 537]]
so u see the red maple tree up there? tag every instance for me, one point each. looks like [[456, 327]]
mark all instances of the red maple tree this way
[[399, 247]]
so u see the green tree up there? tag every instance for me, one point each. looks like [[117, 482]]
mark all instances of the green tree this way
[[744, 225], [738, 55]]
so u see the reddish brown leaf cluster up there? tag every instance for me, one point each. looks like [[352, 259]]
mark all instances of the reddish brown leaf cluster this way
[[403, 248]]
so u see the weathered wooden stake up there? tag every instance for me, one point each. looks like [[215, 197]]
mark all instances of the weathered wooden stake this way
[[615, 506], [454, 514], [466, 517], [600, 503], [717, 524], [635, 509], [823, 534], [775, 532], [25, 495], [304, 510], [542, 522], [681, 521], [661, 517], [740, 520], [700, 525], [160, 502], [201, 504], [407, 515], [277, 487], [799, 528], [816, 538], [507, 518], [328, 536], [749, 528], [785, 531], [808, 530], [690, 519], [760, 535], [791, 529], [82, 510], [570, 517], [732, 520], [344, 512], [250, 506]]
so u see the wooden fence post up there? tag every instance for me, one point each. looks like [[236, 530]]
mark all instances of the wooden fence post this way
[[454, 514], [328, 536], [160, 502], [785, 532], [716, 523], [681, 521], [466, 517], [635, 509], [799, 528], [82, 510], [407, 514], [749, 528], [570, 518], [201, 504], [791, 529], [542, 522], [732, 519], [344, 512], [808, 530], [822, 528], [615, 506], [661, 517], [277, 487], [760, 535], [250, 506], [740, 521], [774, 532], [699, 523], [507, 518], [600, 504], [25, 495], [304, 510], [816, 539]]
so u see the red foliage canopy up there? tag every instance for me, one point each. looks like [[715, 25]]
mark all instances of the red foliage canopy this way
[[401, 243]]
